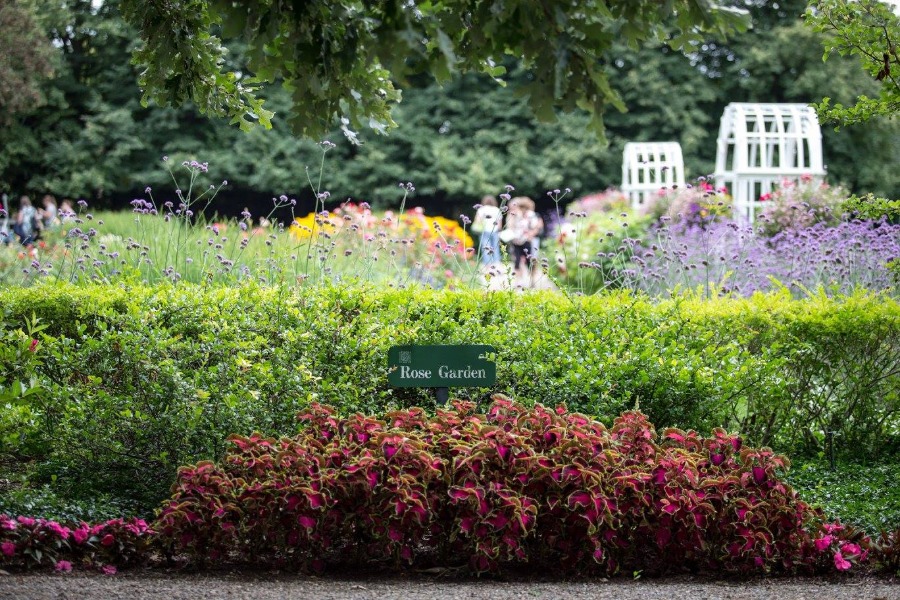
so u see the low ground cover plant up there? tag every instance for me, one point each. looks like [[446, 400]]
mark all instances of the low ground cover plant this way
[[27, 542], [859, 494]]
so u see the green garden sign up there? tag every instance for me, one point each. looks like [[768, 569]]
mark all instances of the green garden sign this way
[[442, 367]]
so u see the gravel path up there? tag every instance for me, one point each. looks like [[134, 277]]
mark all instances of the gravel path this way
[[139, 585]]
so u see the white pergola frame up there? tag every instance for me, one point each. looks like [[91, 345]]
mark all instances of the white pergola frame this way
[[648, 167], [761, 145]]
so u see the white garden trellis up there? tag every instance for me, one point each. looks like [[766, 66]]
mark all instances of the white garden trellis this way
[[649, 166], [760, 145]]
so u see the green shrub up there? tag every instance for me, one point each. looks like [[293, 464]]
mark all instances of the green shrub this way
[[135, 381]]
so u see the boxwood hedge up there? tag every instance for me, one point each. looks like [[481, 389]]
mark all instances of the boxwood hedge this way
[[126, 382]]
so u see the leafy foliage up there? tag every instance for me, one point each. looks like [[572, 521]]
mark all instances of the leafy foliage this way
[[863, 495], [459, 139], [26, 57], [870, 30], [512, 485], [137, 380], [870, 207], [27, 542], [338, 57]]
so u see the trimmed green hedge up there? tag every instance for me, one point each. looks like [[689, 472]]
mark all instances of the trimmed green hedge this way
[[127, 383]]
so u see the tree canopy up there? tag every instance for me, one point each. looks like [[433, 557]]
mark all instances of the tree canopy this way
[[340, 59], [870, 30], [25, 59], [456, 141]]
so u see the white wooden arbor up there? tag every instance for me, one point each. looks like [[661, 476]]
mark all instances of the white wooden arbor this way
[[760, 145], [649, 166]]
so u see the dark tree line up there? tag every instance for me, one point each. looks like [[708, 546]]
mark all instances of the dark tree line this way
[[90, 137]]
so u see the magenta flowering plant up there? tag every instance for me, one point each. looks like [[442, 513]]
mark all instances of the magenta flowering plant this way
[[27, 542]]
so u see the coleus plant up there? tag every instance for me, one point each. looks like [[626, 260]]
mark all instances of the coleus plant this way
[[544, 486]]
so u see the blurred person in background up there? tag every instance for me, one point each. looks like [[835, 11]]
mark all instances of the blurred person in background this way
[[5, 231], [27, 223], [49, 216], [487, 224]]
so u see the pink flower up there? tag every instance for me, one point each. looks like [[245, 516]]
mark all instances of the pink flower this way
[[108, 540], [823, 543], [81, 534], [840, 563], [8, 548], [63, 566], [26, 521], [59, 530], [851, 549], [109, 570], [33, 346]]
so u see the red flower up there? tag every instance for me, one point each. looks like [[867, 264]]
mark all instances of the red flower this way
[[33, 346], [8, 548], [108, 540]]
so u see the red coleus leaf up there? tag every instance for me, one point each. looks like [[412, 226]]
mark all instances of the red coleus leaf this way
[[674, 434], [582, 499], [292, 502], [306, 522], [660, 476], [759, 475], [498, 521], [467, 524]]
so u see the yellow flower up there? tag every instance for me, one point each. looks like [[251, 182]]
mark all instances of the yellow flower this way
[[312, 224]]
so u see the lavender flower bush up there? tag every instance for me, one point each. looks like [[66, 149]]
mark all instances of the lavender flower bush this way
[[725, 257], [799, 245]]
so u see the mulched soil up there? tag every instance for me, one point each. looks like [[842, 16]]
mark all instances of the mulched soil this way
[[138, 584]]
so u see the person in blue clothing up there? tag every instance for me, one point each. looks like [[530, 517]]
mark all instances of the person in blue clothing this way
[[487, 224], [28, 223]]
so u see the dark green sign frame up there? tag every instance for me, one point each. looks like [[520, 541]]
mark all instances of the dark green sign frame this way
[[442, 366]]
